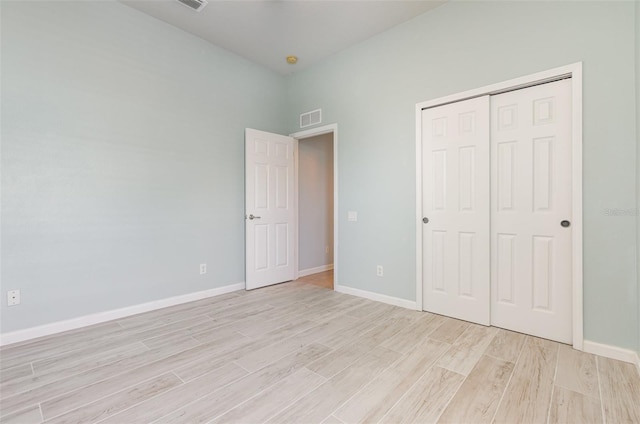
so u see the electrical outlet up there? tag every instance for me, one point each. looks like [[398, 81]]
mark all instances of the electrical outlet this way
[[352, 216], [379, 271], [326, 250], [203, 269], [13, 297]]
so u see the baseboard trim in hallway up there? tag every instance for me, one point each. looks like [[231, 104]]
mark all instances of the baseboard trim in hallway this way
[[100, 317], [316, 270]]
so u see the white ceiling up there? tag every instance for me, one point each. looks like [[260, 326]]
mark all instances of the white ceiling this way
[[267, 31]]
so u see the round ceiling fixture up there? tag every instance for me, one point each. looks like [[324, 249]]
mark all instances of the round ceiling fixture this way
[[292, 60]]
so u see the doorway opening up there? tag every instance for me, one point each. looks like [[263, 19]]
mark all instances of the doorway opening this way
[[317, 206]]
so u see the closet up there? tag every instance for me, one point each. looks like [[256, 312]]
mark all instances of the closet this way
[[497, 208]]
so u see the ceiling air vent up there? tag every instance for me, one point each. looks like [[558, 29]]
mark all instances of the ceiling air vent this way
[[196, 5], [311, 118]]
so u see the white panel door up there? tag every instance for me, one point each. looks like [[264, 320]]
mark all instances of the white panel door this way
[[270, 209], [455, 163], [531, 279]]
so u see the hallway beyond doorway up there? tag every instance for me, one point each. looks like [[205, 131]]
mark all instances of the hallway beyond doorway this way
[[321, 279]]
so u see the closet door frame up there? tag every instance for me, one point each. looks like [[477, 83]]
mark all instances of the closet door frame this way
[[573, 71]]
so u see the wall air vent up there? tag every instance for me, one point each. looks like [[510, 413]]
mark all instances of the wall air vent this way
[[311, 118], [196, 5]]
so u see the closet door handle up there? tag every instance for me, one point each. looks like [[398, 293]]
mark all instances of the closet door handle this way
[[252, 217], [565, 223], [425, 220]]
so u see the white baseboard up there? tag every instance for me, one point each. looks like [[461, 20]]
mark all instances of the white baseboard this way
[[613, 352], [309, 271], [409, 304], [100, 317]]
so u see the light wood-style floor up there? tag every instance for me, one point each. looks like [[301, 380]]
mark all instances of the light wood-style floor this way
[[321, 279], [299, 353]]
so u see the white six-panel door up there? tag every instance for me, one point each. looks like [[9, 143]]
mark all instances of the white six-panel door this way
[[531, 197], [455, 148], [497, 206], [270, 210]]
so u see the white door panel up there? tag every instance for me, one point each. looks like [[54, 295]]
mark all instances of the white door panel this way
[[455, 148], [531, 187], [270, 209]]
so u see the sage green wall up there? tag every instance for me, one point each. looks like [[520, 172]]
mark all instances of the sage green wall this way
[[371, 90], [122, 158]]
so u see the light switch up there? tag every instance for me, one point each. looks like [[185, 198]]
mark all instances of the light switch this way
[[352, 216]]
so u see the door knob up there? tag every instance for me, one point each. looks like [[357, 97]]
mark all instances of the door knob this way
[[252, 216], [425, 220], [565, 223]]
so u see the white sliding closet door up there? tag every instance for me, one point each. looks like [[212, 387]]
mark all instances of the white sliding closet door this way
[[531, 281], [455, 146]]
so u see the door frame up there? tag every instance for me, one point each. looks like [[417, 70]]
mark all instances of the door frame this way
[[325, 129], [573, 71]]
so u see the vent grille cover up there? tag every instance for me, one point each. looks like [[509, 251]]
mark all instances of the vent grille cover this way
[[196, 5], [310, 118]]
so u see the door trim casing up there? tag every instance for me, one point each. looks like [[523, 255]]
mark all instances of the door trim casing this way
[[325, 129], [573, 71]]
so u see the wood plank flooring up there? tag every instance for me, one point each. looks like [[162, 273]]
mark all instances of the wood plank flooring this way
[[299, 353]]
